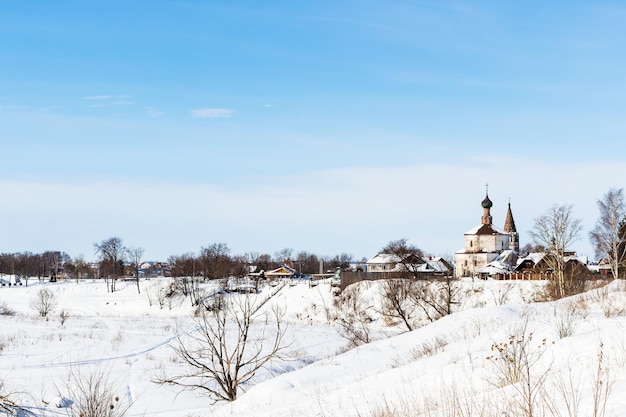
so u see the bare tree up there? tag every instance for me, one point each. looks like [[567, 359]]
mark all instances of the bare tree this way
[[239, 266], [227, 347], [263, 262], [397, 302], [341, 261], [135, 255], [608, 235], [50, 263], [80, 267], [557, 230], [185, 273], [282, 255], [27, 265], [44, 302], [111, 252], [307, 263], [215, 260], [437, 298], [409, 256], [183, 265], [353, 317]]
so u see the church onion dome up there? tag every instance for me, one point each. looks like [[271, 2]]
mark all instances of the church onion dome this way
[[486, 203]]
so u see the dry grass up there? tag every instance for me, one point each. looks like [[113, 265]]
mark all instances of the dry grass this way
[[429, 348]]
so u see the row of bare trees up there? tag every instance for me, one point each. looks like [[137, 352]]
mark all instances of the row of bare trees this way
[[27, 264], [557, 229], [112, 256], [215, 261]]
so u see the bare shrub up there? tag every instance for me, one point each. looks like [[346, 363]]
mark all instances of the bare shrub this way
[[564, 392], [501, 293], [91, 393], [544, 294], [5, 310], [215, 302], [150, 296], [468, 402], [117, 339], [566, 321], [450, 400], [353, 318], [44, 302], [355, 328], [619, 349], [514, 363], [404, 406], [429, 348], [602, 296], [613, 310], [161, 296], [8, 402], [63, 316], [602, 383]]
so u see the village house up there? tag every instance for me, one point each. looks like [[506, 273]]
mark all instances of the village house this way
[[535, 266], [430, 265]]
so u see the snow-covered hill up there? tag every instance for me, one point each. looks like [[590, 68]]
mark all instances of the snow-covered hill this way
[[448, 367]]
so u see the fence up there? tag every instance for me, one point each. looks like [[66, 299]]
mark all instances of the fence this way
[[350, 277], [527, 276]]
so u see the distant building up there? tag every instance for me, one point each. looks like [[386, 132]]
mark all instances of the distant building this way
[[430, 265], [488, 248]]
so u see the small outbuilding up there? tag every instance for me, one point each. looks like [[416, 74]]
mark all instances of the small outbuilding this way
[[10, 279]]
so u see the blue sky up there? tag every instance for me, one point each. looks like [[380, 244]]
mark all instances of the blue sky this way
[[321, 126]]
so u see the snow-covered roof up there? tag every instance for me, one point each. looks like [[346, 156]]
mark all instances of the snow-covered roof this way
[[12, 279], [283, 270], [384, 258], [494, 267], [580, 258], [437, 264], [508, 256], [534, 257], [485, 229]]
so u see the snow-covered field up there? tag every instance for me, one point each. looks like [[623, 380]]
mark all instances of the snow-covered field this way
[[574, 348]]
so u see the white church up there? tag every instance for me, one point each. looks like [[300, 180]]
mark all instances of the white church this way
[[487, 246]]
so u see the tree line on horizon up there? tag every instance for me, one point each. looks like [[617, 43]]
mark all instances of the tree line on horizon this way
[[115, 259], [553, 233]]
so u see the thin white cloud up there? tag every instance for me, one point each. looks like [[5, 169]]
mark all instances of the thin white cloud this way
[[108, 100], [106, 97], [48, 109], [113, 103], [12, 107], [212, 113], [154, 113], [352, 210]]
